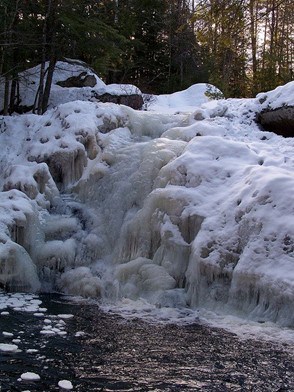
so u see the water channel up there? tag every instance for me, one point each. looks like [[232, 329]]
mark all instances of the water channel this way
[[101, 351]]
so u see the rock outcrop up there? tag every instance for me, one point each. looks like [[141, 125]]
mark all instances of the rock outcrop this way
[[81, 80], [279, 120], [135, 101]]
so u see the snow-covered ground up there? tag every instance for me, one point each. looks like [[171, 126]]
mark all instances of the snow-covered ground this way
[[189, 204]]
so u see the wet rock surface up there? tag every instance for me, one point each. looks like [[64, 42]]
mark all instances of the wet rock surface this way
[[279, 120], [82, 80], [116, 354], [134, 101]]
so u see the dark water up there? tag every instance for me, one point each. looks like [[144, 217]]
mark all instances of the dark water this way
[[115, 354]]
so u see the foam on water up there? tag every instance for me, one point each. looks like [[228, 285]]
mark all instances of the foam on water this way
[[243, 328]]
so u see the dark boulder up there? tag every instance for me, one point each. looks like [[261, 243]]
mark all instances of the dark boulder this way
[[82, 80], [134, 101], [279, 120]]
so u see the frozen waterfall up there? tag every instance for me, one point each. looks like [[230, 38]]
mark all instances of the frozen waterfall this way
[[106, 202]]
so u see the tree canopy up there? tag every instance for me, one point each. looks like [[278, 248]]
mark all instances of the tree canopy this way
[[241, 46]]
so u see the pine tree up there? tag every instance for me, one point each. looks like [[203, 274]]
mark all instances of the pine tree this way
[[220, 31]]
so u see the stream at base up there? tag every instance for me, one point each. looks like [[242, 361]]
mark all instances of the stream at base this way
[[60, 339]]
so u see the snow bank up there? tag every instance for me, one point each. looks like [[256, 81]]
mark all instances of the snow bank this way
[[183, 101], [279, 97]]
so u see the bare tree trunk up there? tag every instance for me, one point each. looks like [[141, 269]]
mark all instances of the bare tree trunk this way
[[253, 39], [2, 57], [39, 100], [12, 95], [51, 38], [7, 54], [48, 84], [43, 63], [265, 38], [193, 12], [272, 38], [6, 96]]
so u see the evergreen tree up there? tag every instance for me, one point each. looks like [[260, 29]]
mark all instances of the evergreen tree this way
[[14, 38], [185, 53], [220, 31], [145, 60], [277, 49]]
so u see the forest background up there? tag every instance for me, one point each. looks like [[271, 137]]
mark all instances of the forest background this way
[[161, 46]]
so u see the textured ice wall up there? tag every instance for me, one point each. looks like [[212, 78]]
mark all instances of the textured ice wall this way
[[42, 155], [217, 219], [72, 148], [18, 230], [239, 259]]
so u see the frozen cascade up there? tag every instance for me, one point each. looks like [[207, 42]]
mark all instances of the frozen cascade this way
[[168, 208], [17, 269]]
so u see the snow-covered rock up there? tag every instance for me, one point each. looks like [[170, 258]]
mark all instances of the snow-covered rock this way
[[277, 110], [280, 96]]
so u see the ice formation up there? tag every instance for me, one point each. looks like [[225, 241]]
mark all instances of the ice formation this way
[[181, 209]]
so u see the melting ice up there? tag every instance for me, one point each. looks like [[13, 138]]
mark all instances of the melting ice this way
[[186, 210]]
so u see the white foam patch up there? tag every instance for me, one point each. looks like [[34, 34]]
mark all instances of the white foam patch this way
[[79, 334], [47, 332], [8, 347], [32, 350], [20, 302], [65, 316], [65, 384], [7, 334], [16, 341], [248, 329], [55, 326], [30, 376], [244, 329]]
